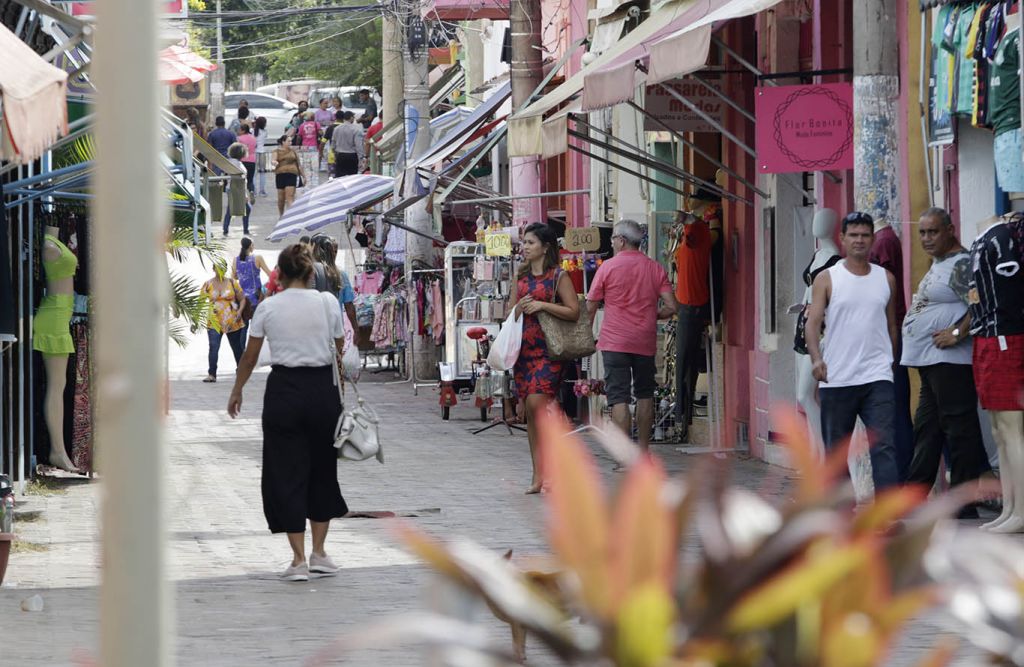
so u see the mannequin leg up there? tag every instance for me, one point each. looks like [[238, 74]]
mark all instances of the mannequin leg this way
[[807, 397], [1008, 428], [56, 378]]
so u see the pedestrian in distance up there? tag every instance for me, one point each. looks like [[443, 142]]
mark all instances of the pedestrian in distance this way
[[246, 267], [287, 172], [246, 137], [237, 154], [221, 138], [240, 119], [854, 365], [630, 286], [541, 287], [225, 297], [937, 342], [260, 132], [300, 411], [309, 133], [369, 108], [347, 143]]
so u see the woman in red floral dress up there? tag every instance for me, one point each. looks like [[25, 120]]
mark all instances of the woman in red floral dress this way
[[537, 377]]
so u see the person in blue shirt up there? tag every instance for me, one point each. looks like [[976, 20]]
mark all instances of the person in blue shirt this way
[[221, 138]]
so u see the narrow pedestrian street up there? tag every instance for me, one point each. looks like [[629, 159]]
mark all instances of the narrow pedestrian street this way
[[230, 607]]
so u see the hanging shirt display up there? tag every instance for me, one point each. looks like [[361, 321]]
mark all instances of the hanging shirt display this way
[[1004, 84], [964, 103]]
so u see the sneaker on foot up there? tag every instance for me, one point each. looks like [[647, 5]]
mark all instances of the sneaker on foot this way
[[322, 564], [298, 572]]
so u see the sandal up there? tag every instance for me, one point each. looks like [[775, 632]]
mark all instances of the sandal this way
[[210, 378]]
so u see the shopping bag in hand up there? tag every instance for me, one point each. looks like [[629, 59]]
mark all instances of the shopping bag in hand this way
[[505, 348]]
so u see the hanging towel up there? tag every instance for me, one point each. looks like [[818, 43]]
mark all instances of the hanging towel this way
[[35, 109]]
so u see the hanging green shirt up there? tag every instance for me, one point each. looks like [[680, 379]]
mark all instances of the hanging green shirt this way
[[964, 103], [941, 61], [1004, 84]]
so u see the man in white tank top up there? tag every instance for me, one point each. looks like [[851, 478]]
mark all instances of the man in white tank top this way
[[853, 359]]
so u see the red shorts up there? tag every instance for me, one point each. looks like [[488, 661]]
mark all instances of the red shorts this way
[[999, 373]]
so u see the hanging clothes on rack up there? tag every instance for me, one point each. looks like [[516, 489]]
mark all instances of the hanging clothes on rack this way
[[81, 435]]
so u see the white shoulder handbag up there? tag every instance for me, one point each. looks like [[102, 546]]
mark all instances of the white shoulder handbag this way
[[357, 435]]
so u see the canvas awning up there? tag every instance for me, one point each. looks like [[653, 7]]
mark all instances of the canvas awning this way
[[457, 137], [34, 98], [525, 136], [389, 140], [468, 10], [177, 65], [674, 41]]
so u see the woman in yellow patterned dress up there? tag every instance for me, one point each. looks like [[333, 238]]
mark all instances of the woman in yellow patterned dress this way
[[225, 296]]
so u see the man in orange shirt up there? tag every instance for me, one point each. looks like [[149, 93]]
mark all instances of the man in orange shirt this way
[[693, 263]]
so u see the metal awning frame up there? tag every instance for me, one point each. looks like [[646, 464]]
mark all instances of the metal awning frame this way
[[700, 151], [500, 134], [643, 158], [640, 175]]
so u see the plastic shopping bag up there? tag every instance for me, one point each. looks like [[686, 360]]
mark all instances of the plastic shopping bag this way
[[505, 348], [351, 363]]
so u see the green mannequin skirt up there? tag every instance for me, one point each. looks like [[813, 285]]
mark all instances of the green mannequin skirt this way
[[51, 327]]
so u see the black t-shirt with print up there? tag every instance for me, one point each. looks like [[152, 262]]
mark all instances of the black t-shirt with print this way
[[997, 282]]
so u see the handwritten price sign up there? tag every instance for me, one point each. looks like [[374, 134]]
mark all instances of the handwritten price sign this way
[[498, 245], [582, 239]]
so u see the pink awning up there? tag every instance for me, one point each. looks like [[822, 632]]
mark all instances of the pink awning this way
[[616, 80], [468, 10], [178, 65], [674, 51]]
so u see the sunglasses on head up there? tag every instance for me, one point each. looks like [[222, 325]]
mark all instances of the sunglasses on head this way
[[858, 218]]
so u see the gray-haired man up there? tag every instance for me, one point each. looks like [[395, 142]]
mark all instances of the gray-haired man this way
[[630, 285]]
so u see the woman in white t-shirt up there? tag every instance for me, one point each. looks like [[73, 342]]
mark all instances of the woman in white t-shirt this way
[[300, 410]]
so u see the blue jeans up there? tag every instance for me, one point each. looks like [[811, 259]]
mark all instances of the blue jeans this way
[[245, 218], [874, 403], [236, 339]]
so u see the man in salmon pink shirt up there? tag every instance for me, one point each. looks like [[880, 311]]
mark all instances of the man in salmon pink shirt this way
[[630, 285]]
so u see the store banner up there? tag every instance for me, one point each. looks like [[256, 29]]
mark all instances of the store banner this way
[[804, 128], [667, 108]]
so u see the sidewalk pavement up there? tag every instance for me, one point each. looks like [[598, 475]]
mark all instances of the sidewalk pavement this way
[[230, 609]]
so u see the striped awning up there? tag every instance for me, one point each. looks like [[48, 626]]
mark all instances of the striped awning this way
[[332, 202]]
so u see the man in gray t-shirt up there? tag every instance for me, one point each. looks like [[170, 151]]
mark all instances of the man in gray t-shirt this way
[[936, 341]]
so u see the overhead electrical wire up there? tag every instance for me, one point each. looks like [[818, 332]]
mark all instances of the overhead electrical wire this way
[[304, 44]]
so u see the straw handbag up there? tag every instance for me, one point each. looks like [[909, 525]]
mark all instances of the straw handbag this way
[[567, 340]]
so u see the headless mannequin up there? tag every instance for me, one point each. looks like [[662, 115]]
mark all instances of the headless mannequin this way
[[56, 370], [823, 228], [1008, 432]]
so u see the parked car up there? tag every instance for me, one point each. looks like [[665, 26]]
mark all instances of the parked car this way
[[349, 97], [276, 110]]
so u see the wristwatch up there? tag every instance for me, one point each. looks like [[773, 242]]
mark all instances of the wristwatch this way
[[956, 333]]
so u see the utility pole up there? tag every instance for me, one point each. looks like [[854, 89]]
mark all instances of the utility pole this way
[[136, 618], [527, 173], [876, 89], [474, 60], [392, 66], [417, 113], [219, 76]]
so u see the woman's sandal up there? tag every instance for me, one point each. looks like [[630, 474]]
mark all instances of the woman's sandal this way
[[210, 378]]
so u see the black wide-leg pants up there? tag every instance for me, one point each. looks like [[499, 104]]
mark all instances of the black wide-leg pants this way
[[300, 464]]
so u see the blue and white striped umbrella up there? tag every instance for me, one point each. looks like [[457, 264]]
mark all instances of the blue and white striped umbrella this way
[[331, 202]]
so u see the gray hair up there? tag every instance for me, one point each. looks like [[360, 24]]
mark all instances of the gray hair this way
[[631, 231], [940, 214]]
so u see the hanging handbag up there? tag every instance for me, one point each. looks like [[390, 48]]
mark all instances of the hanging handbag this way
[[357, 434], [567, 340], [245, 306]]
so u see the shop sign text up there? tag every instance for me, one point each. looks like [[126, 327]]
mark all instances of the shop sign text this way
[[804, 128], [664, 106]]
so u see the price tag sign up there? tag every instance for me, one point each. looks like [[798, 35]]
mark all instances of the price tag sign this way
[[582, 239], [498, 245]]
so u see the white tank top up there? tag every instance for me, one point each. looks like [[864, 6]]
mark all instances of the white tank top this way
[[857, 348]]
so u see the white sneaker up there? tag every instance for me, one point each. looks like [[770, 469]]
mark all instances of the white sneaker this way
[[298, 572], [322, 564]]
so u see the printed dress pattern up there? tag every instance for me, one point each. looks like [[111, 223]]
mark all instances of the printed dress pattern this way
[[535, 372]]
